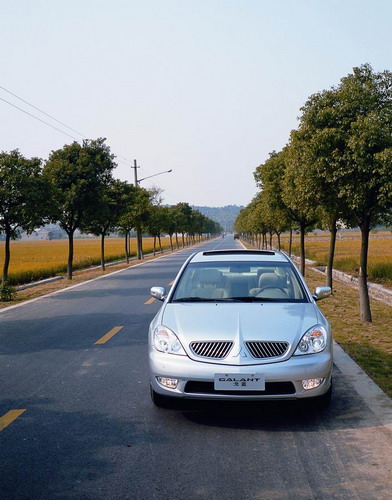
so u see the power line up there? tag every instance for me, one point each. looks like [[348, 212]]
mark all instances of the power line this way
[[43, 112], [121, 159], [39, 119]]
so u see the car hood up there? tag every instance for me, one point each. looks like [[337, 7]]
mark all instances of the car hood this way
[[239, 322]]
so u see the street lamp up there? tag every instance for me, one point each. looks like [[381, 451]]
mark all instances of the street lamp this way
[[148, 177]]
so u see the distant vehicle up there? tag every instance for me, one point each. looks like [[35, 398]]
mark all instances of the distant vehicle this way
[[236, 236], [240, 325]]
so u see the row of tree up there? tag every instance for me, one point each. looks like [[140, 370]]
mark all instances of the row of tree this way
[[75, 187], [336, 169]]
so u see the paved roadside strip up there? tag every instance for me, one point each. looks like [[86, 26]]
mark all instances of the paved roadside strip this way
[[376, 399]]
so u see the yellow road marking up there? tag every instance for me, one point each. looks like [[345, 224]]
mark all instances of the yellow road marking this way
[[9, 417], [109, 335], [150, 301]]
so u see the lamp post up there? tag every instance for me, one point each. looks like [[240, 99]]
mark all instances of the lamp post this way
[[159, 173], [138, 229]]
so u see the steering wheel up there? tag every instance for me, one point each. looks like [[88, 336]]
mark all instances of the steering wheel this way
[[268, 287]]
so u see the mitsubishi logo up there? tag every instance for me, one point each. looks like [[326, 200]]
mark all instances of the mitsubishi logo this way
[[241, 353]]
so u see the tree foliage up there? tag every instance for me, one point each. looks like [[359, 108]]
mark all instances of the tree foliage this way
[[78, 174], [336, 168], [23, 198]]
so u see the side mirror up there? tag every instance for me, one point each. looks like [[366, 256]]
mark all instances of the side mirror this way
[[322, 292], [158, 292]]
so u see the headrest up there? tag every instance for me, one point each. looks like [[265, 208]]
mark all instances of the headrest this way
[[210, 276], [263, 270], [269, 279]]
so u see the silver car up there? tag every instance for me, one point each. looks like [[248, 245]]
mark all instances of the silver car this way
[[240, 325]]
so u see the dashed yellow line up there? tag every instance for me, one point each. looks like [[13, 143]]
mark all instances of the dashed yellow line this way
[[109, 335], [9, 417]]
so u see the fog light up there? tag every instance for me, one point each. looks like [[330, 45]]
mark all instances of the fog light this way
[[311, 383], [170, 383]]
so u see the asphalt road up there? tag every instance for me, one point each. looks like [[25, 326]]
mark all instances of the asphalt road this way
[[90, 431]]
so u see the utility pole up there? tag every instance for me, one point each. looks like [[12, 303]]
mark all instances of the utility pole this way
[[139, 245], [135, 167]]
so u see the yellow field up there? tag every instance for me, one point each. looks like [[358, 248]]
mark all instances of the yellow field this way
[[348, 246], [33, 260]]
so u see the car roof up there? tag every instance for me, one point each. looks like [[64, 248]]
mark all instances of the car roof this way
[[240, 256]]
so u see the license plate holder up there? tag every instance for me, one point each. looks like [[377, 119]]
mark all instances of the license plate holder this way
[[239, 382]]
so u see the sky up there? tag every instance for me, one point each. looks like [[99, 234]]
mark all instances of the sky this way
[[206, 88]]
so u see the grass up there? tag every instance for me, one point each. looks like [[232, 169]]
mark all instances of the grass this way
[[36, 260]]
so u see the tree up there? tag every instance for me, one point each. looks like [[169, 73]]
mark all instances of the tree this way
[[281, 181], [103, 218], [170, 225], [183, 218], [156, 223], [77, 174], [365, 181], [126, 221], [139, 214], [23, 198], [322, 143], [349, 131]]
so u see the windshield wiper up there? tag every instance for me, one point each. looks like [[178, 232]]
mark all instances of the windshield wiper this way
[[251, 299], [194, 299]]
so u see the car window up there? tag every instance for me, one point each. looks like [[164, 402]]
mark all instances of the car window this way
[[246, 281]]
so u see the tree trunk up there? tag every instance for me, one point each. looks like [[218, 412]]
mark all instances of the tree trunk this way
[[70, 254], [364, 302], [126, 248], [270, 240], [160, 243], [178, 246], [7, 256], [183, 241], [171, 241], [103, 252], [331, 255], [290, 242], [139, 243], [279, 243], [302, 246], [155, 241]]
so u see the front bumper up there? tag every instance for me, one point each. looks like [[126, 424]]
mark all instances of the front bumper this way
[[283, 380]]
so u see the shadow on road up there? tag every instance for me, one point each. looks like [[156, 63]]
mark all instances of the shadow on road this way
[[346, 411]]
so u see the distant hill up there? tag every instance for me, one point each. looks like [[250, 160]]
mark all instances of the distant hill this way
[[224, 215]]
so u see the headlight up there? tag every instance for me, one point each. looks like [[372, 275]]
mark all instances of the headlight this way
[[314, 340], [166, 341]]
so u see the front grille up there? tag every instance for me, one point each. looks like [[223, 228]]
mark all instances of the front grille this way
[[261, 350], [271, 389], [216, 350]]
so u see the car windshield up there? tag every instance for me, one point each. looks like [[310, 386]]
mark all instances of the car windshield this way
[[239, 281]]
